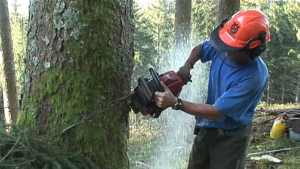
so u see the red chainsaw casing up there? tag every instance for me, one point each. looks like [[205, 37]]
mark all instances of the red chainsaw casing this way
[[171, 80]]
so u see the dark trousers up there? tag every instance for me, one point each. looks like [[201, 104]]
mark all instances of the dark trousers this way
[[220, 149]]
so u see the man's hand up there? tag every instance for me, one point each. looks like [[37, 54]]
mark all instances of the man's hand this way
[[184, 73], [165, 99]]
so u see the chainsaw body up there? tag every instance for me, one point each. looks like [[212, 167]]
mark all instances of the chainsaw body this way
[[142, 99]]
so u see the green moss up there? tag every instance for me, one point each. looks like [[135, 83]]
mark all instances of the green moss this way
[[90, 78], [28, 114]]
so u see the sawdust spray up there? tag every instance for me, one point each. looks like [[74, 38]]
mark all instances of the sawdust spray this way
[[177, 138]]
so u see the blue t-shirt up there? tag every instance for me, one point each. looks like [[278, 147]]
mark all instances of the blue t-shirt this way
[[233, 89]]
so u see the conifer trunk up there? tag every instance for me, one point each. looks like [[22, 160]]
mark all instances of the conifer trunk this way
[[182, 22], [80, 57], [227, 8], [10, 97]]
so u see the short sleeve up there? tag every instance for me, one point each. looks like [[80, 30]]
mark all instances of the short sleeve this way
[[207, 51], [238, 99]]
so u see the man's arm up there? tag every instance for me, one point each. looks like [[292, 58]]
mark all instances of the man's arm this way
[[194, 57], [201, 110], [167, 99], [203, 51], [233, 103]]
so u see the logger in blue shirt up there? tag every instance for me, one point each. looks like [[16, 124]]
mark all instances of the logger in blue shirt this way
[[237, 80]]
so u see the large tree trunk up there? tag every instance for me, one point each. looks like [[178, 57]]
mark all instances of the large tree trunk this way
[[227, 8], [182, 22], [80, 57], [10, 98]]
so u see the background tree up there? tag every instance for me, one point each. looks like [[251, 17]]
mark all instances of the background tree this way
[[182, 22], [10, 99], [80, 57], [19, 37], [202, 23], [227, 8]]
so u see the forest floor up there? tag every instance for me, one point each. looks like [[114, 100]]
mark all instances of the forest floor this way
[[144, 140], [260, 140]]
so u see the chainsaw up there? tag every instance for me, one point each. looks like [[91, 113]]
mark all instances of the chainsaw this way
[[141, 100]]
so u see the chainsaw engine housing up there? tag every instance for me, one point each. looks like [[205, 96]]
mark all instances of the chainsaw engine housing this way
[[142, 100]]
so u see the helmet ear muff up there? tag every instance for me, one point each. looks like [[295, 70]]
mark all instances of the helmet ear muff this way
[[254, 53]]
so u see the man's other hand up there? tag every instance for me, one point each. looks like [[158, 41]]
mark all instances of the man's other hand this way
[[165, 99], [185, 74]]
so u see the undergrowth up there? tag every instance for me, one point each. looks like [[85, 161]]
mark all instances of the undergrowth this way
[[19, 150]]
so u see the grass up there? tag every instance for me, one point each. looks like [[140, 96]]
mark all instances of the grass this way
[[290, 159]]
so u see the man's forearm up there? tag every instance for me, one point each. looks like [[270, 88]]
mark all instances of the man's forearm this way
[[194, 57], [201, 110]]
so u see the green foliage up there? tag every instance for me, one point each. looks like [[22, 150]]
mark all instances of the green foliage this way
[[145, 52], [153, 36], [204, 15], [282, 55], [21, 150], [19, 26], [161, 16]]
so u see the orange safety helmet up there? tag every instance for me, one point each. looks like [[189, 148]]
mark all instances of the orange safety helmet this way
[[246, 29]]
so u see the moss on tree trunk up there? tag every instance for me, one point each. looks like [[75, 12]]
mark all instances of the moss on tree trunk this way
[[80, 56]]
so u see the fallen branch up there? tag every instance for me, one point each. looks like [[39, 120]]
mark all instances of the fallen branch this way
[[272, 151], [138, 162], [279, 111], [261, 122]]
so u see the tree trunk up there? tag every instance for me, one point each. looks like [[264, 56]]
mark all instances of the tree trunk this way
[[227, 8], [268, 94], [10, 98], [297, 90], [182, 22], [80, 57], [282, 92]]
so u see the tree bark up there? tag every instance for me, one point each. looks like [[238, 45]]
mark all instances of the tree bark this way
[[80, 57], [182, 22], [10, 98], [227, 8]]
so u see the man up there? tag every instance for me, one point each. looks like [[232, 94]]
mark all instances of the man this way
[[237, 80]]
